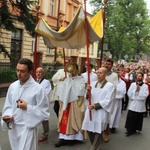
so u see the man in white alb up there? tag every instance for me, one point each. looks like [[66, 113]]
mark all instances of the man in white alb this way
[[27, 106], [111, 77], [102, 95], [47, 87]]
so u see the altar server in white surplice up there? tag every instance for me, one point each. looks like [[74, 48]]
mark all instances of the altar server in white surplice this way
[[112, 78], [137, 93], [102, 94], [47, 87], [27, 105], [116, 115]]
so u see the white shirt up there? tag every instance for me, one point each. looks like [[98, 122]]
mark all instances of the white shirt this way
[[46, 85], [104, 96], [93, 76]]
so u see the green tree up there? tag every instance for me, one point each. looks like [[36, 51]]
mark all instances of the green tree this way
[[127, 28], [22, 13]]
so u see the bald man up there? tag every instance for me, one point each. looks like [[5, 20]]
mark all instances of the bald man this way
[[47, 87], [102, 94]]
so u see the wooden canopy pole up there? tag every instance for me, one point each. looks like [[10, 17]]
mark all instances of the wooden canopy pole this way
[[88, 59], [64, 62], [35, 43], [104, 19]]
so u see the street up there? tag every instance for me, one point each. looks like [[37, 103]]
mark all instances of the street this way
[[118, 140]]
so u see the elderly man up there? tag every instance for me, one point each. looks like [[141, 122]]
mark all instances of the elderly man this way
[[26, 105], [102, 95], [47, 87]]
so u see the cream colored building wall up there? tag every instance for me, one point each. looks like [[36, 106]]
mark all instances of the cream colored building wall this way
[[93, 49], [5, 39], [66, 8], [26, 47], [44, 6], [47, 57]]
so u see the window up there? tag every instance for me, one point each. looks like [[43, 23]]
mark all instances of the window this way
[[16, 46], [17, 34], [33, 43], [74, 11], [52, 2], [50, 51], [92, 49]]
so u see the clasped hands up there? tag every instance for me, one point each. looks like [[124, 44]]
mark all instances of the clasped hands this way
[[137, 88]]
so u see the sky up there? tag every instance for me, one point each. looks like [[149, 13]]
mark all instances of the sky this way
[[148, 4], [89, 9]]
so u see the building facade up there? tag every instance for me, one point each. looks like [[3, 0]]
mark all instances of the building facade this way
[[57, 13]]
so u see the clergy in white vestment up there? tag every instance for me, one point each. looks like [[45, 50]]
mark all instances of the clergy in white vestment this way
[[137, 93], [26, 105], [102, 94], [111, 77], [71, 98], [115, 116]]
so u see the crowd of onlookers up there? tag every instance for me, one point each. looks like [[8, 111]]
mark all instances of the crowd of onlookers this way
[[128, 73]]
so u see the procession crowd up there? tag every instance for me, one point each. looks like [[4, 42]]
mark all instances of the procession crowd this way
[[83, 107]]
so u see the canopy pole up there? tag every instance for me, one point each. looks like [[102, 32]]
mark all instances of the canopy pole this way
[[104, 19], [88, 59], [35, 43], [64, 62]]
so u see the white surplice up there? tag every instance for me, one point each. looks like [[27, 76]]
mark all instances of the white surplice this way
[[104, 96], [116, 115], [70, 89], [137, 99], [112, 77], [23, 135], [46, 85], [93, 77], [56, 82]]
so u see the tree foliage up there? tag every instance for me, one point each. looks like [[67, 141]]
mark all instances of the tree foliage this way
[[19, 10], [127, 28]]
